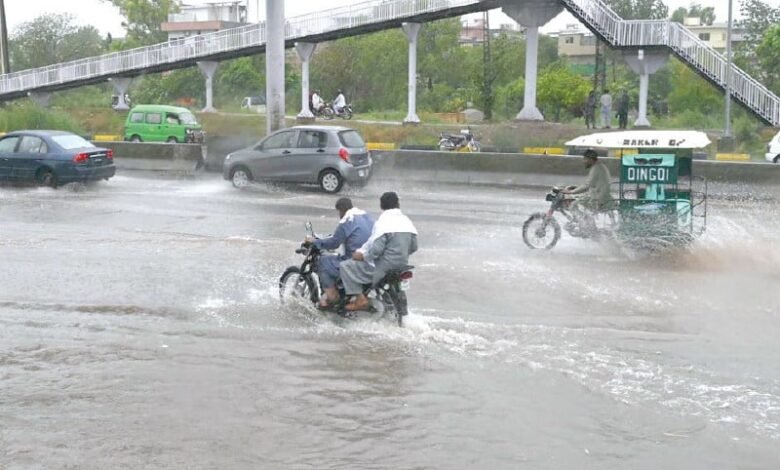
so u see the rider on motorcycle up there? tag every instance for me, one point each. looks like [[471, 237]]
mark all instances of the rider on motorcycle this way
[[393, 239], [598, 198], [354, 229], [340, 102]]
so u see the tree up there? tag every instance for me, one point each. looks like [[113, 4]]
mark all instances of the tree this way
[[144, 19], [51, 39], [768, 53], [757, 17], [640, 9], [705, 14], [691, 93], [561, 90]]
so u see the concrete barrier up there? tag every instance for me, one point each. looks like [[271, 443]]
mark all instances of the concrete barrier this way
[[219, 147], [156, 156], [537, 170]]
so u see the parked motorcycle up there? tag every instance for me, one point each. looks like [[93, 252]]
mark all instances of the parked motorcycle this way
[[387, 300], [345, 113], [325, 112], [463, 142], [542, 230]]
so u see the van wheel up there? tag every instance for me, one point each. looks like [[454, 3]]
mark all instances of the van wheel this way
[[331, 181], [240, 177], [135, 138], [172, 140]]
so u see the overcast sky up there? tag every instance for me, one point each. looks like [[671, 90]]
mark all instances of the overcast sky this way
[[107, 19]]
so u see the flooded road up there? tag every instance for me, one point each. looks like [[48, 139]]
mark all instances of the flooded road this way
[[140, 327]]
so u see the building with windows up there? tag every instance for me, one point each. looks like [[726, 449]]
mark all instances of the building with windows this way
[[192, 20], [715, 34], [577, 45], [473, 31]]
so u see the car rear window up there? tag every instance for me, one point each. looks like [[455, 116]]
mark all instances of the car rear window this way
[[351, 139], [70, 142]]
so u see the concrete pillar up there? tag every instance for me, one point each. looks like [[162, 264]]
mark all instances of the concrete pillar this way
[[274, 64], [412, 30], [41, 98], [644, 63], [208, 68], [305, 51], [121, 85], [531, 15]]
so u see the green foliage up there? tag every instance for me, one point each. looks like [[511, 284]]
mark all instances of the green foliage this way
[[695, 10], [168, 87], [509, 98], [144, 19], [26, 115], [640, 9], [561, 91], [50, 39], [768, 53], [692, 93], [241, 77]]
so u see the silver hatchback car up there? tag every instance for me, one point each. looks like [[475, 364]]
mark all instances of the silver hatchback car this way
[[323, 155]]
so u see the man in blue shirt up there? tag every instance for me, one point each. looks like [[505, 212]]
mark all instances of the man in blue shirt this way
[[354, 229]]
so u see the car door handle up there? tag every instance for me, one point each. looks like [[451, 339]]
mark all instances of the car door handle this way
[[286, 152], [321, 151]]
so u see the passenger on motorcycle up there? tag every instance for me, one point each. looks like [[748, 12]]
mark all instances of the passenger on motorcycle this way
[[393, 239], [340, 102], [316, 101], [354, 229], [598, 198]]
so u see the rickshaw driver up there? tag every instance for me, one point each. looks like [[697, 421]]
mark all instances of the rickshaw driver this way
[[598, 198]]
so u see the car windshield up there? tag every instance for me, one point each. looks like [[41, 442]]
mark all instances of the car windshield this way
[[351, 139], [187, 118], [69, 142]]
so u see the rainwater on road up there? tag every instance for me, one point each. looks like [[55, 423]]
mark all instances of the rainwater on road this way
[[140, 327]]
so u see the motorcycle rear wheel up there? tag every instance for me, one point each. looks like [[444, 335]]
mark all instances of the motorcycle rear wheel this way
[[296, 287], [537, 230]]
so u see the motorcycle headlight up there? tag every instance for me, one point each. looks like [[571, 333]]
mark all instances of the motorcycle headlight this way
[[188, 131], [229, 156]]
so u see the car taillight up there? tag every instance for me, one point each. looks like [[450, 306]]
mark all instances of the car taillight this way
[[81, 158], [344, 154], [405, 276], [110, 154]]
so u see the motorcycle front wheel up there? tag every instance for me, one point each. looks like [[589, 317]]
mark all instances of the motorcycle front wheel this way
[[541, 232], [294, 287], [328, 114]]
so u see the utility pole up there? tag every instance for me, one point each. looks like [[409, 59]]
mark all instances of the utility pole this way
[[488, 73], [5, 63], [727, 128]]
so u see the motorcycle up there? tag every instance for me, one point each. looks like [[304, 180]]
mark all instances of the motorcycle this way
[[463, 142], [542, 230], [325, 112], [345, 113], [387, 300]]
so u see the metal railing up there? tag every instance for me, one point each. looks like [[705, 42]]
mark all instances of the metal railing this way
[[686, 45], [213, 44]]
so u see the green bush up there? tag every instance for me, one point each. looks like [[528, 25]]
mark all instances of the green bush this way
[[26, 115]]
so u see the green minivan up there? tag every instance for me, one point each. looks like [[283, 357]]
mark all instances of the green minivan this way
[[158, 123]]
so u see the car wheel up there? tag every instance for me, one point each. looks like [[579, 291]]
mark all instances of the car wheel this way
[[172, 140], [46, 177], [135, 138], [331, 181], [241, 177], [777, 159]]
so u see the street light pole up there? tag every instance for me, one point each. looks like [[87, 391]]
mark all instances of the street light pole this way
[[727, 129], [5, 66]]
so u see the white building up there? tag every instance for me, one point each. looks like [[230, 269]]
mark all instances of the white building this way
[[200, 19]]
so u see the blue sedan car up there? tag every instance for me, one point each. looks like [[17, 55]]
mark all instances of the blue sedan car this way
[[53, 158]]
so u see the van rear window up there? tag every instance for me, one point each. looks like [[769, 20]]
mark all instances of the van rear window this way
[[351, 139]]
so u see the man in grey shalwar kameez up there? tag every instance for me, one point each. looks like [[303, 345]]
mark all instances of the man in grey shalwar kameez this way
[[354, 229], [393, 239]]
